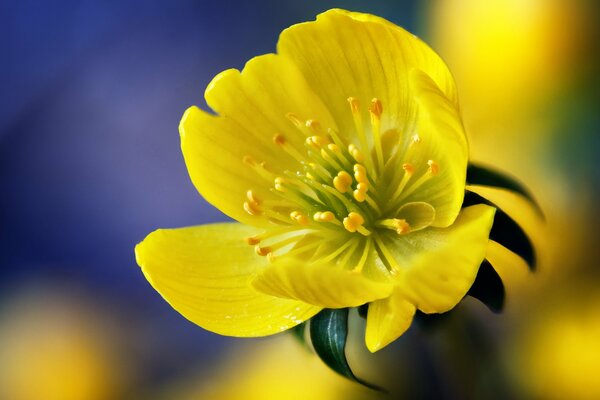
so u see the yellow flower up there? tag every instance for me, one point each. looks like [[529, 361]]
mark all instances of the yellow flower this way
[[343, 157]]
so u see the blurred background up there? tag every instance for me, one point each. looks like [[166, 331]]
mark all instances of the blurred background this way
[[92, 93]]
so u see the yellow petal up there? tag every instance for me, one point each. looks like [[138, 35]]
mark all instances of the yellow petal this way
[[324, 285], [204, 273], [252, 107], [440, 278], [388, 319], [344, 54], [418, 215], [443, 141]]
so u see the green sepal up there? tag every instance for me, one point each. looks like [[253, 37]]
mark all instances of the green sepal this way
[[484, 176], [488, 287], [328, 333], [506, 231]]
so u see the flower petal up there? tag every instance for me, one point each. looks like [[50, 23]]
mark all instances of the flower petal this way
[[439, 265], [346, 54], [252, 107], [443, 141], [324, 285], [204, 273], [388, 319]]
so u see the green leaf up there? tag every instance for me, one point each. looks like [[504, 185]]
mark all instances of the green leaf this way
[[479, 175], [488, 287], [506, 231], [328, 333]]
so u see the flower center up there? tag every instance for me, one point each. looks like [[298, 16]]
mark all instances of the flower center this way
[[344, 192]]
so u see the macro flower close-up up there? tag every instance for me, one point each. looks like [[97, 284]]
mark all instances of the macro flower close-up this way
[[344, 160]]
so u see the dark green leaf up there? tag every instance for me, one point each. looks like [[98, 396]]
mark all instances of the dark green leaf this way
[[506, 231], [488, 287], [479, 175], [328, 333]]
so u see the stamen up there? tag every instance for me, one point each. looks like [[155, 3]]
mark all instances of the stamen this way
[[334, 254], [375, 111], [300, 218], [363, 258], [354, 223], [432, 170], [358, 124], [280, 141], [252, 208], [295, 120], [356, 153], [316, 141], [259, 168], [409, 170], [280, 184], [342, 181], [314, 126], [261, 251], [326, 216], [399, 225], [395, 268]]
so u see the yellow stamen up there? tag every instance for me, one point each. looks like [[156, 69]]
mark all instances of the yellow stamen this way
[[252, 208], [375, 111], [342, 181], [261, 251], [358, 124], [294, 119], [356, 153], [280, 184], [360, 173], [434, 168], [387, 255], [280, 141], [399, 225], [299, 218], [363, 259], [409, 170], [354, 223]]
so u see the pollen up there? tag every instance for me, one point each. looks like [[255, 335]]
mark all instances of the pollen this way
[[354, 104], [354, 223], [262, 251], [356, 153], [300, 218], [434, 168], [324, 216], [342, 181], [376, 108]]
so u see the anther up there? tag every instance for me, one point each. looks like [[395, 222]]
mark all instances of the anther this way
[[354, 223], [342, 181], [360, 173], [376, 107], [408, 168], [252, 208], [313, 125], [252, 240], [252, 198], [434, 168], [299, 218], [294, 119], [278, 139], [354, 104], [279, 184], [334, 148], [248, 160], [416, 138], [324, 216], [399, 225], [262, 251], [356, 153]]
